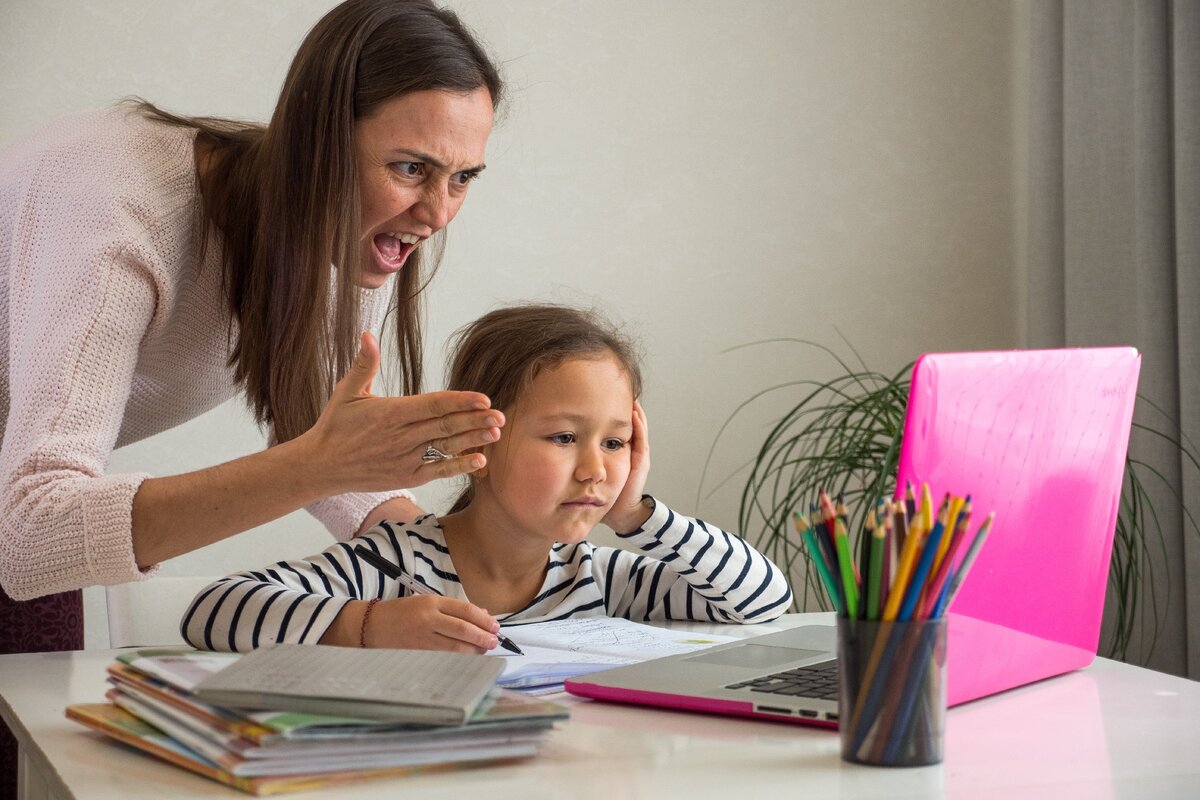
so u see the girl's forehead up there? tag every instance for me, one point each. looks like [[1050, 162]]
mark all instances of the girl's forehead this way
[[585, 382]]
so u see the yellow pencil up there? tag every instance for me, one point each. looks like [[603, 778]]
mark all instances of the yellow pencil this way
[[926, 507], [956, 506]]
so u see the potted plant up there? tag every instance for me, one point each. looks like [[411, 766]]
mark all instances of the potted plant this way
[[844, 434]]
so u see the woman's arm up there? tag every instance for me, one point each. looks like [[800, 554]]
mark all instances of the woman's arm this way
[[687, 569], [360, 443]]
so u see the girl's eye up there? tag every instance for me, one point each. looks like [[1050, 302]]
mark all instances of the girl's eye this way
[[563, 438], [613, 444], [410, 169]]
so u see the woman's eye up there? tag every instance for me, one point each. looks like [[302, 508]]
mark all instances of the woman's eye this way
[[465, 177], [614, 444], [410, 169], [563, 438]]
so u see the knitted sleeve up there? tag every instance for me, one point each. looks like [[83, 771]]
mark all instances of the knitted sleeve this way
[[83, 282], [689, 570]]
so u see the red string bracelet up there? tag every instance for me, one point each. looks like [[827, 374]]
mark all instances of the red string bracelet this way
[[362, 632]]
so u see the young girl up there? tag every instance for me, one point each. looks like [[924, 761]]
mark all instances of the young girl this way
[[575, 452]]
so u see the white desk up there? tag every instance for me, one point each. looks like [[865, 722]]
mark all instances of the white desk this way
[[1108, 731]]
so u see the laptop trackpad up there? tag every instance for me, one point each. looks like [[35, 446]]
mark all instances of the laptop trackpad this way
[[754, 655]]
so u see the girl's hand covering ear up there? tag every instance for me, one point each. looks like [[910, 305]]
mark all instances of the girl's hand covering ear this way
[[630, 511]]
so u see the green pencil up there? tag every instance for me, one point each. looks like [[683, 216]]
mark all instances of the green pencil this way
[[814, 551], [875, 572], [846, 565]]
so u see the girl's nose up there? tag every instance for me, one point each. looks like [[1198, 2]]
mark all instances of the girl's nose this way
[[590, 467]]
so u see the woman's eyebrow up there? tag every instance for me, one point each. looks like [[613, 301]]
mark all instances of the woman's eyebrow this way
[[425, 158]]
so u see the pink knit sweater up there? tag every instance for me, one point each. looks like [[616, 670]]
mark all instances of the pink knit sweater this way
[[112, 331]]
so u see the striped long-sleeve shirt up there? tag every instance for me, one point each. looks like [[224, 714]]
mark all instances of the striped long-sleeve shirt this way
[[679, 568]]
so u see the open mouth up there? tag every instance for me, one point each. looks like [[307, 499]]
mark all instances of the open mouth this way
[[392, 249]]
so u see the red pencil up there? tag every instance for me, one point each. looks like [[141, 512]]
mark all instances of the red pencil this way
[[933, 589]]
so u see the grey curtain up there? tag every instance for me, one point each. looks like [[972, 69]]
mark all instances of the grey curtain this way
[[1114, 254]]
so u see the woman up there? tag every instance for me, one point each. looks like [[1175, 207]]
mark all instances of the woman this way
[[153, 266]]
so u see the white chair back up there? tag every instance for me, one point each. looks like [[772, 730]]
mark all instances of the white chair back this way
[[147, 613]]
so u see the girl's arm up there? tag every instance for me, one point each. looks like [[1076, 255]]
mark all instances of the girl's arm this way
[[686, 569], [323, 599]]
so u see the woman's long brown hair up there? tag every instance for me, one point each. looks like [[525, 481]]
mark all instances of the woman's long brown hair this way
[[285, 200]]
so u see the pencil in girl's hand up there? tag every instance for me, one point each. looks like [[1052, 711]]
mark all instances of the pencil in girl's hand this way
[[955, 584], [818, 559]]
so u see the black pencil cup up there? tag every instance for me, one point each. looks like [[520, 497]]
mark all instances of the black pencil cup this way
[[892, 691]]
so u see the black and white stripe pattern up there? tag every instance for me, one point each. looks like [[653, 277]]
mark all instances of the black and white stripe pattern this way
[[678, 568]]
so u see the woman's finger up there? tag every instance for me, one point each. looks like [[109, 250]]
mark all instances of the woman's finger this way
[[358, 379]]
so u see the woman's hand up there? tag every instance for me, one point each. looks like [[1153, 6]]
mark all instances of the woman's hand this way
[[428, 622], [365, 443], [630, 512]]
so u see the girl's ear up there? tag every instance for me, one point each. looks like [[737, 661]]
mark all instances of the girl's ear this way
[[482, 471]]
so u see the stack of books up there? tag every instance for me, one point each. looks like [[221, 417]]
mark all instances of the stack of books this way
[[381, 713]]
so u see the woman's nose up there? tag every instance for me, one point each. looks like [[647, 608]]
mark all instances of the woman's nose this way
[[435, 208]]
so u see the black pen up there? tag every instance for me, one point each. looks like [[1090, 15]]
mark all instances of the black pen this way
[[392, 571]]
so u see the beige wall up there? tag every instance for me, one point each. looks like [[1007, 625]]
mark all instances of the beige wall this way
[[710, 173]]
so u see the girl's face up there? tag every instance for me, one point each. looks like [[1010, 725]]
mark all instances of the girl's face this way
[[417, 154], [564, 454]]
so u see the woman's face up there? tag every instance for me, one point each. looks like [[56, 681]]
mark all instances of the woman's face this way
[[417, 155], [564, 456]]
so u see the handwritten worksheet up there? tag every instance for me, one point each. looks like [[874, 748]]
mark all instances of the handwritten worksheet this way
[[555, 651]]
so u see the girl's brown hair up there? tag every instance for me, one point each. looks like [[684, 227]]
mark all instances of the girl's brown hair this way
[[285, 199], [502, 352]]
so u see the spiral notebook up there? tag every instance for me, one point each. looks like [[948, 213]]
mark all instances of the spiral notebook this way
[[1039, 437]]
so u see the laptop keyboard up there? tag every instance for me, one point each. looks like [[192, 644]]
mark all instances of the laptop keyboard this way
[[819, 681]]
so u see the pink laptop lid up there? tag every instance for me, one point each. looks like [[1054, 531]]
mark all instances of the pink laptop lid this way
[[1039, 437]]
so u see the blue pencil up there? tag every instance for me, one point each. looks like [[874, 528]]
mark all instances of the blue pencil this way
[[917, 584]]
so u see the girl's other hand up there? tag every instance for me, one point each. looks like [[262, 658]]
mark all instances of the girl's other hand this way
[[630, 512], [366, 443]]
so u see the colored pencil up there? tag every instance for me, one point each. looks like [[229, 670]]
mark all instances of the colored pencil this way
[[818, 559], [900, 519], [926, 508], [874, 547], [846, 566], [955, 584], [956, 506], [910, 501], [913, 593], [933, 591], [889, 557], [904, 566]]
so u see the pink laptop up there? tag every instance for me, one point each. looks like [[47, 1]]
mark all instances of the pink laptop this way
[[1039, 437]]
